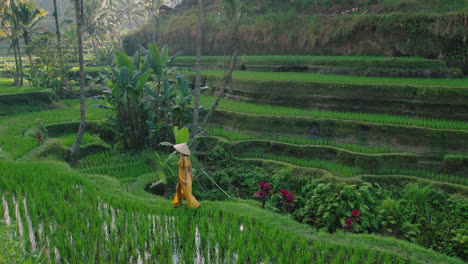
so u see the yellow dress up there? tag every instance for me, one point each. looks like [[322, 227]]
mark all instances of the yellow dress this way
[[185, 190]]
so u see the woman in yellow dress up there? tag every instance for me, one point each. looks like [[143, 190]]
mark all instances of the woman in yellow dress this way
[[184, 183]]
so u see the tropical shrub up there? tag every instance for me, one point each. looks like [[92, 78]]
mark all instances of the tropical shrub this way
[[147, 97], [263, 192], [106, 55], [46, 69], [328, 205]]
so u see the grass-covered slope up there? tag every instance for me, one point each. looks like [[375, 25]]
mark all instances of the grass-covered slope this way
[[342, 65], [434, 98], [17, 137], [386, 28], [402, 134], [67, 218]]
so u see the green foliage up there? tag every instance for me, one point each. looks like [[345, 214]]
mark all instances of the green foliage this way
[[330, 61], [59, 196], [10, 247], [395, 28], [181, 135], [327, 205], [258, 109], [427, 216], [106, 55], [238, 136], [13, 127], [325, 78], [147, 96], [47, 71]]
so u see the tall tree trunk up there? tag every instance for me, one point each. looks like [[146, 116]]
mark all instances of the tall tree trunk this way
[[27, 41], [16, 75], [196, 107], [79, 21], [94, 46], [21, 77], [63, 78], [227, 78], [129, 21], [153, 14]]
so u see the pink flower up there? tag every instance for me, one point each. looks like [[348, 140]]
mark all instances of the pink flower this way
[[355, 213], [290, 197], [38, 138], [284, 193], [260, 194], [264, 186], [349, 221]]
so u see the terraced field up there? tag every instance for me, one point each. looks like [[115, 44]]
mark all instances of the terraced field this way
[[97, 208], [45, 203], [260, 122], [345, 65]]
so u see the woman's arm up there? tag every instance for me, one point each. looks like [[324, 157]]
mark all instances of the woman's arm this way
[[186, 174]]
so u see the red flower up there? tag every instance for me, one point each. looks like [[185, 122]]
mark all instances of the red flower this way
[[264, 186], [290, 197], [284, 193], [355, 213], [38, 138], [260, 194], [349, 221]]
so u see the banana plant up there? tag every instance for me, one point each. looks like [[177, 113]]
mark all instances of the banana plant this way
[[124, 96], [147, 96]]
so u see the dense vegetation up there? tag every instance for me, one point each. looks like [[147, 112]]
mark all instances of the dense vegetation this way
[[390, 28], [296, 159]]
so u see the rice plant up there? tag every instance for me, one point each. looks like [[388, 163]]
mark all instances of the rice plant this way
[[67, 140], [66, 218], [257, 109], [328, 78], [238, 136], [12, 128], [333, 167], [12, 89]]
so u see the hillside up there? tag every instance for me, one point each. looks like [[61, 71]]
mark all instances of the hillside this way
[[426, 28]]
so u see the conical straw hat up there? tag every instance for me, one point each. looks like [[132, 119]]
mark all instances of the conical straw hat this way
[[182, 148]]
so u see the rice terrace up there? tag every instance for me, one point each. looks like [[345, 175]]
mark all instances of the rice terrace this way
[[234, 131]]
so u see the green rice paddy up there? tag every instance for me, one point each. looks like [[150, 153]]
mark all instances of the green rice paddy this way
[[237, 136], [321, 78], [269, 110]]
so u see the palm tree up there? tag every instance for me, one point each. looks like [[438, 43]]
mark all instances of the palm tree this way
[[59, 49], [196, 107], [234, 11], [132, 11], [79, 22], [28, 15], [57, 26], [9, 26], [7, 31], [96, 15]]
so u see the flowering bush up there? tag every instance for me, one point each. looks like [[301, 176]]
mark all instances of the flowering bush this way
[[288, 199], [262, 194], [355, 213], [349, 222], [39, 138]]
